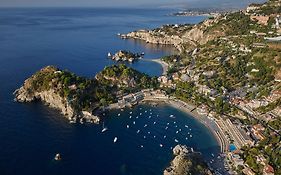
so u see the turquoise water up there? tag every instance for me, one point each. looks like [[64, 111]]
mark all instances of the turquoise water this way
[[232, 147], [78, 40]]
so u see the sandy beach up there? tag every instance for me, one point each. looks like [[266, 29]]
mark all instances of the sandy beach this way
[[164, 65]]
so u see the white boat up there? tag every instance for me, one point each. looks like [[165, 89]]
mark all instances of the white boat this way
[[109, 54], [177, 132], [161, 145], [131, 112], [145, 125], [128, 126], [148, 132], [119, 114], [115, 140], [154, 136], [134, 122], [166, 127], [141, 146], [154, 123], [186, 126], [130, 116], [176, 141], [138, 131], [149, 116], [145, 111], [144, 137], [164, 137], [190, 136], [104, 128], [172, 116], [168, 123], [57, 157]]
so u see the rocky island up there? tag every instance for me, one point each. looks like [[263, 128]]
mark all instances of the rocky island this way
[[187, 162], [124, 55], [80, 98]]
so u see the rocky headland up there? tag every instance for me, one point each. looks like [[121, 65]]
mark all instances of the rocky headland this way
[[184, 37], [187, 162], [79, 98]]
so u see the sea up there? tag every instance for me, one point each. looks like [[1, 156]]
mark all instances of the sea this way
[[78, 40]]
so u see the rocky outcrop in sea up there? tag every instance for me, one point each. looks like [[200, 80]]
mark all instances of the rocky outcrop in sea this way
[[187, 162], [33, 90]]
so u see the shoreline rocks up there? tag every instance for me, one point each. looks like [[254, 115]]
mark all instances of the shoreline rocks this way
[[124, 55], [52, 97], [186, 162]]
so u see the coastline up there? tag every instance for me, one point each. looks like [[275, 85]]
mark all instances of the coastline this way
[[163, 64], [187, 108]]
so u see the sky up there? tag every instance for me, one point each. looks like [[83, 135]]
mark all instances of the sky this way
[[124, 3]]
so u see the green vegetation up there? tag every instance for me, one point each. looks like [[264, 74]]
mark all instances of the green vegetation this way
[[88, 94]]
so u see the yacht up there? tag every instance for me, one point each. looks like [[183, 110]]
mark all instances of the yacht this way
[[57, 157], [104, 128], [115, 140]]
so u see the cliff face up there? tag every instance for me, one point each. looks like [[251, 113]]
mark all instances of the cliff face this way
[[50, 97], [150, 37], [186, 162], [182, 37], [33, 89]]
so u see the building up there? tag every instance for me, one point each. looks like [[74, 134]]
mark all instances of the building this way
[[263, 20], [268, 170]]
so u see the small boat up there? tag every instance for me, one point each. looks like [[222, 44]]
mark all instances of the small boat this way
[[134, 122], [119, 114], [57, 157], [145, 125], [148, 132], [144, 137], [115, 140], [166, 127], [81, 121], [138, 131], [172, 116], [186, 126], [177, 132], [141, 146], [137, 117], [175, 122], [186, 138], [72, 121], [154, 136], [154, 123], [164, 137], [190, 136], [149, 116], [104, 128], [130, 116], [109, 54], [145, 111], [168, 123], [140, 113], [213, 155], [150, 113], [161, 145], [176, 141], [176, 126], [131, 112], [128, 126]]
